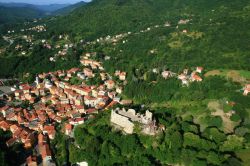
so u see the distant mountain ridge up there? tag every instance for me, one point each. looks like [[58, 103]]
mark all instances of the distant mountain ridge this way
[[44, 8], [18, 14], [69, 8]]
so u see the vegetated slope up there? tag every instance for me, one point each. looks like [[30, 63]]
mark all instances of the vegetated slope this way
[[217, 33], [216, 38], [103, 17], [45, 8], [68, 9], [18, 14], [51, 8]]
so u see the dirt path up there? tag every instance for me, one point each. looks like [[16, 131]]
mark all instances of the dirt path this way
[[228, 125]]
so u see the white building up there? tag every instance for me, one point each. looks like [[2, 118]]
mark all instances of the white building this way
[[84, 163], [124, 119]]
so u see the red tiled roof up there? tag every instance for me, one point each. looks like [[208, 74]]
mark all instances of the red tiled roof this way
[[68, 127], [90, 110], [4, 125], [4, 108], [111, 104], [123, 74], [79, 119], [79, 106], [26, 87], [48, 128], [110, 82], [18, 109], [45, 151], [14, 127], [196, 77], [89, 98], [73, 70], [16, 133]]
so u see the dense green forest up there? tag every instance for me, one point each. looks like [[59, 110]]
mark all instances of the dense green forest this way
[[107, 17], [18, 14], [68, 9], [198, 132], [182, 142], [218, 32]]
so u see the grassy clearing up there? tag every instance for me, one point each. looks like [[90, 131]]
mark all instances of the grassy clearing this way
[[175, 44], [217, 108], [195, 35], [241, 76]]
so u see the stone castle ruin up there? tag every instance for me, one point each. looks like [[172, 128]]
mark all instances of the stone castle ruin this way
[[124, 120]]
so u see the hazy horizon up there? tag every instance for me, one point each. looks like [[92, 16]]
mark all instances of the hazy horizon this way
[[43, 2]]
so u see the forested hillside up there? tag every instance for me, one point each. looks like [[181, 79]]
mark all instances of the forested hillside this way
[[68, 9], [18, 14], [106, 17], [207, 122], [45, 8], [218, 32]]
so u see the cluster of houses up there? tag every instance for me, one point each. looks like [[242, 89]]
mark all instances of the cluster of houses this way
[[111, 39], [43, 153], [46, 44], [38, 28], [186, 77], [11, 31], [19, 134], [27, 38], [62, 49], [120, 37], [125, 121], [53, 100]]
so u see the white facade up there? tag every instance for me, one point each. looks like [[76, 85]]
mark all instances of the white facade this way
[[122, 121], [125, 120]]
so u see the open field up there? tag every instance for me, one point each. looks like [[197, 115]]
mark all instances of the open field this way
[[228, 124], [241, 76]]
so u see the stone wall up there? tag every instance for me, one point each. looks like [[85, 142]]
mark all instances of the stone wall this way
[[122, 121]]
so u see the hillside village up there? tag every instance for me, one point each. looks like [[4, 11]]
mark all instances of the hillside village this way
[[53, 100], [30, 38], [56, 99], [65, 98], [185, 77], [60, 101], [63, 50]]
